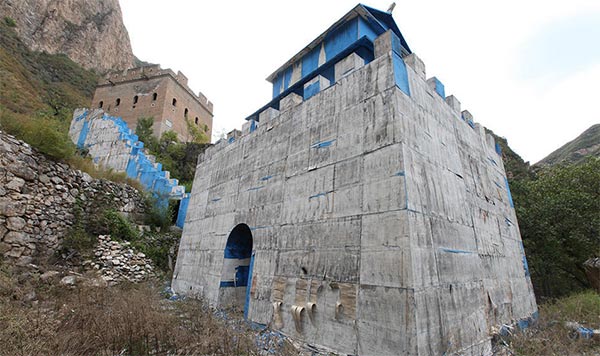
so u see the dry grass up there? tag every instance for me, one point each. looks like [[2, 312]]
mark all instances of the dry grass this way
[[550, 336], [127, 320], [85, 164]]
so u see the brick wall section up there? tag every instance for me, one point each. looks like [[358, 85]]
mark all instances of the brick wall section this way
[[155, 89]]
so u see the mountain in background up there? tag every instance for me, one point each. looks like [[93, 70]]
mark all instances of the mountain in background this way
[[89, 32], [573, 152]]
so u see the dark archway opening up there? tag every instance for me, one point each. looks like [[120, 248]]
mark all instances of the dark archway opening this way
[[236, 276]]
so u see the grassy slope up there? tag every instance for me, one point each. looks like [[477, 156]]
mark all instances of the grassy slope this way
[[586, 144], [38, 93]]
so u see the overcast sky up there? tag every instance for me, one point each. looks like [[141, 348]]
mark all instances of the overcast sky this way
[[527, 69]]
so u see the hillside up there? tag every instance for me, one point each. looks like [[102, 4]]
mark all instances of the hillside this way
[[90, 32], [585, 145], [516, 168], [38, 92]]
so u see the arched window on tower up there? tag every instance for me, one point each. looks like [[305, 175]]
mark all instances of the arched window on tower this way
[[101, 104], [174, 102], [196, 120], [185, 113], [135, 100], [118, 102], [154, 97]]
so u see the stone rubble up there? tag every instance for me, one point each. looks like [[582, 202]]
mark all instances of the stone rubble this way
[[119, 262]]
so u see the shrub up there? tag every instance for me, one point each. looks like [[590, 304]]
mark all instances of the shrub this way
[[118, 227], [48, 135], [10, 22]]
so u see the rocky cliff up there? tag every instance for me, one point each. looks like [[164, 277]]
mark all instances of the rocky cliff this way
[[90, 32]]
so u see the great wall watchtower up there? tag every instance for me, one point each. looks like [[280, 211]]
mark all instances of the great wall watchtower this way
[[359, 210], [150, 91]]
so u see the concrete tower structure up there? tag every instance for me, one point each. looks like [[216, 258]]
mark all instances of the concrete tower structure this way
[[360, 210]]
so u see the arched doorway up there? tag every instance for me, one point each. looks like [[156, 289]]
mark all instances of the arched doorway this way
[[236, 276]]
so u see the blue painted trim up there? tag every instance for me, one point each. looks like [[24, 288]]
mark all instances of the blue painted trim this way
[[326, 70], [455, 251], [399, 174], [182, 212], [510, 200], [215, 199], [85, 130], [266, 178], [253, 125], [493, 161], [400, 74], [471, 123], [439, 88], [259, 228], [322, 144], [319, 195], [312, 90], [249, 287]]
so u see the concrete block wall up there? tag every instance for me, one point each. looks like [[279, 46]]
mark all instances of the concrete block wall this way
[[112, 144], [380, 219]]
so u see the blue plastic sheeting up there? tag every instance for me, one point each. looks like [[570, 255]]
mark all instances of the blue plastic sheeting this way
[[181, 214], [523, 324], [312, 90], [400, 74], [510, 200], [449, 250], [498, 149], [322, 144], [585, 333], [439, 88]]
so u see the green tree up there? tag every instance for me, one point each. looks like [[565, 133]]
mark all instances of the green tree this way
[[559, 218]]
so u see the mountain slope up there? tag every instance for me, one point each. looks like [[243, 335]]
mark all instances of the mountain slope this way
[[586, 144]]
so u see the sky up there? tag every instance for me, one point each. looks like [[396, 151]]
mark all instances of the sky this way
[[527, 69]]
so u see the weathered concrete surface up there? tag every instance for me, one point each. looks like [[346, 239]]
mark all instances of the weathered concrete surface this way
[[381, 223]]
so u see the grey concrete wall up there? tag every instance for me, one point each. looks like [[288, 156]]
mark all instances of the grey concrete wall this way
[[381, 222]]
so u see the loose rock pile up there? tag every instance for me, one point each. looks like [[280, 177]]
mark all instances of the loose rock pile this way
[[38, 197], [118, 262]]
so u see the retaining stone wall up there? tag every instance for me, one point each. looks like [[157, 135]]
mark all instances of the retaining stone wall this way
[[38, 197]]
